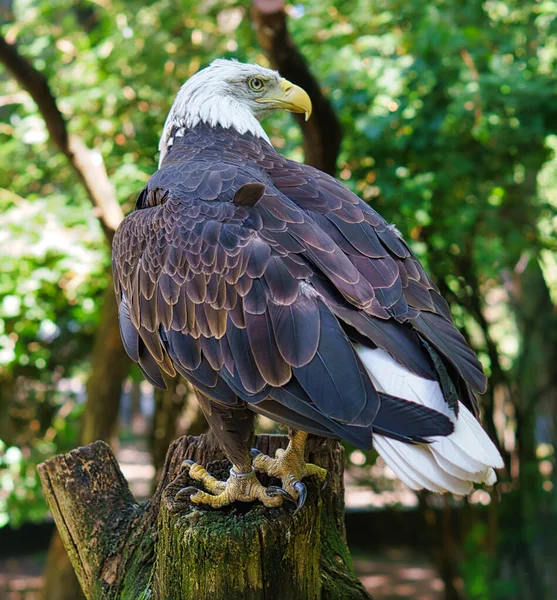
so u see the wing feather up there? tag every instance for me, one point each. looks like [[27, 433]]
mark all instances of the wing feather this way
[[402, 293], [254, 276]]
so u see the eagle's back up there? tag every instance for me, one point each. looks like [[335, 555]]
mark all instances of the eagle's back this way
[[289, 297]]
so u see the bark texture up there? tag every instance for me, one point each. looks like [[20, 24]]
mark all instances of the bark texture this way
[[169, 406], [322, 133], [168, 550], [110, 366]]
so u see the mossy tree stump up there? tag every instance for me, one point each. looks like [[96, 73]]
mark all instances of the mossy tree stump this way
[[169, 550]]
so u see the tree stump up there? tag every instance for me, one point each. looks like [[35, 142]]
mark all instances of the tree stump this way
[[169, 550]]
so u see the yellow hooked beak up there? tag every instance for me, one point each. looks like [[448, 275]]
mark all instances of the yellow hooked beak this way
[[291, 97]]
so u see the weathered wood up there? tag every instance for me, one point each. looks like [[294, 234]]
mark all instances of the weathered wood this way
[[91, 504], [170, 550]]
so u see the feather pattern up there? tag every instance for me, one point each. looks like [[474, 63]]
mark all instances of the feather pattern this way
[[447, 462], [267, 282]]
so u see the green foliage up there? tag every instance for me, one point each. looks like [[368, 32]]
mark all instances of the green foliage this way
[[21, 499], [479, 569]]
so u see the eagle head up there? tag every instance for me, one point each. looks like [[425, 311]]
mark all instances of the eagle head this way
[[233, 94]]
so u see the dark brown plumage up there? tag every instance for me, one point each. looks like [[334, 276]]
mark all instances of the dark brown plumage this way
[[252, 276]]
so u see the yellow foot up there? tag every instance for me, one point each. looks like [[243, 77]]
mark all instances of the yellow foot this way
[[243, 487], [289, 466]]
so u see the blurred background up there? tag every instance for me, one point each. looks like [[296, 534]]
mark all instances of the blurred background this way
[[440, 113]]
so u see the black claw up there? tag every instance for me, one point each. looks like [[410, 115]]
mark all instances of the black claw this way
[[185, 492], [274, 490], [302, 495], [188, 462], [325, 482], [255, 452]]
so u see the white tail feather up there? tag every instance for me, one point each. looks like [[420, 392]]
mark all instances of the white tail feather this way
[[447, 464]]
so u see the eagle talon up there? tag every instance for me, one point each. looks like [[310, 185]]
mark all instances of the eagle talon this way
[[273, 491], [187, 491], [302, 495], [290, 467], [240, 486]]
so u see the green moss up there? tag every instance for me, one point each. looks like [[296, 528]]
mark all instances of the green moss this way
[[337, 573], [244, 552], [139, 557], [251, 556], [197, 556]]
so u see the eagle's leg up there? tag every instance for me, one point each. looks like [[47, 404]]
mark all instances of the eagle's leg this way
[[289, 466], [233, 426]]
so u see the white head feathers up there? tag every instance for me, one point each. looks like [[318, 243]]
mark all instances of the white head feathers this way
[[221, 95]]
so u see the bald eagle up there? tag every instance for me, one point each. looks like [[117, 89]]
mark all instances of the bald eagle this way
[[274, 290]]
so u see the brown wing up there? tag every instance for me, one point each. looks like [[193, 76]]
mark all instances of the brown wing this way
[[219, 283], [408, 304], [214, 289]]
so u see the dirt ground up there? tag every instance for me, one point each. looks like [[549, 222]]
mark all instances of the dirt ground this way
[[398, 573], [20, 577]]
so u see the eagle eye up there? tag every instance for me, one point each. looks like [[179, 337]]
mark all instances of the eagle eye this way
[[256, 84]]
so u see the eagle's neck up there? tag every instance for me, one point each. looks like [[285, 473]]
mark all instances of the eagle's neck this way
[[200, 106]]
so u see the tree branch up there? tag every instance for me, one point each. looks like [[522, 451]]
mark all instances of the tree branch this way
[[322, 133], [87, 163], [110, 363]]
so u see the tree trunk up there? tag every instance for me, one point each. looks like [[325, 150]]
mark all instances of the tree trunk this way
[[99, 420], [169, 406], [322, 133], [60, 582], [535, 397], [178, 400], [109, 368], [169, 550], [138, 422]]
